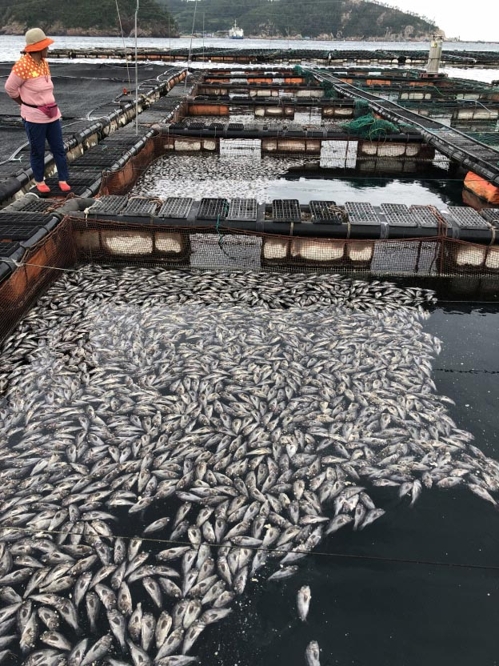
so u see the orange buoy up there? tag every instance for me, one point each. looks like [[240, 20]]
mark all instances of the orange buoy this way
[[482, 188]]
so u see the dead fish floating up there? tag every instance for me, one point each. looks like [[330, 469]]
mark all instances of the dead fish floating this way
[[303, 599], [262, 406]]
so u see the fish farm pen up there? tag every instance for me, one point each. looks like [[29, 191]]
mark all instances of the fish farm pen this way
[[394, 58], [248, 366]]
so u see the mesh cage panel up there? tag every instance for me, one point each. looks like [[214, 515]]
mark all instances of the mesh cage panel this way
[[40, 265], [221, 246], [120, 180], [79, 239], [108, 241]]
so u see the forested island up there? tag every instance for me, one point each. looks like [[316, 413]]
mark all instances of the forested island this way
[[330, 19], [326, 19]]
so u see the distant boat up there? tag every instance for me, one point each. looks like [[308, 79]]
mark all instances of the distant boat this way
[[235, 32]]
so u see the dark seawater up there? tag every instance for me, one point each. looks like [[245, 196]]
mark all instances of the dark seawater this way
[[433, 188], [467, 369], [420, 585]]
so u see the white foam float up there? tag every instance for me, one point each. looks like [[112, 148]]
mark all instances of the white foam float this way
[[359, 251], [127, 243]]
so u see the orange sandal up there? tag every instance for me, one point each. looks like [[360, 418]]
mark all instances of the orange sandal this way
[[43, 188], [64, 187]]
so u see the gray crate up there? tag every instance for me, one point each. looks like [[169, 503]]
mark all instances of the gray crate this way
[[112, 203], [491, 215], [243, 210], [425, 216], [360, 212], [176, 207], [325, 212], [140, 207], [213, 209], [286, 210], [467, 218]]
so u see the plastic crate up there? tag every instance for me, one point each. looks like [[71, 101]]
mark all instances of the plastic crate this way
[[140, 206], [425, 216], [176, 207], [112, 203], [398, 215], [394, 209], [243, 209], [31, 206], [467, 218], [18, 232], [213, 209], [363, 213], [7, 249], [491, 215], [323, 212], [102, 160], [286, 210], [28, 218]]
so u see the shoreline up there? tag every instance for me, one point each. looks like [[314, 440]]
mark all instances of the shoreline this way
[[6, 32]]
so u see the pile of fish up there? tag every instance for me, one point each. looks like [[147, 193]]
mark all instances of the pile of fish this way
[[167, 437], [200, 176], [302, 120]]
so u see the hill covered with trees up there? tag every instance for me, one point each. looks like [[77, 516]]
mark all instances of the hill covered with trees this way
[[340, 19], [330, 19], [86, 17]]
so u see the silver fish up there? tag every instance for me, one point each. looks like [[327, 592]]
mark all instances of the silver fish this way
[[312, 654], [303, 602]]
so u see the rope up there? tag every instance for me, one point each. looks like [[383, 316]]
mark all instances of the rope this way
[[19, 264], [318, 553], [468, 372], [13, 157], [190, 43], [136, 71], [124, 45], [221, 237]]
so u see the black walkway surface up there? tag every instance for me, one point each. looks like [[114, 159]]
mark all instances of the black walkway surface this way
[[471, 153], [100, 126], [86, 94]]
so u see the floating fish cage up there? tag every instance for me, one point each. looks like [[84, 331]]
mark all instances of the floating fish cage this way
[[213, 395], [338, 57], [302, 247], [282, 235], [334, 148], [240, 234], [391, 239], [140, 457]]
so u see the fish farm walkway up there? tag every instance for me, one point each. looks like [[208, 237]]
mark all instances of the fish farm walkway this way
[[471, 153]]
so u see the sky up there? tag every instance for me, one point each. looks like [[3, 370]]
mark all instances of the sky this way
[[478, 20]]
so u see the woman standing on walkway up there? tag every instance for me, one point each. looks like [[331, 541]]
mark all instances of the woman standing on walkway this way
[[30, 85]]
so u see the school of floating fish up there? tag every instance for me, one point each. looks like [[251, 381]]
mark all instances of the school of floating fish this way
[[302, 120], [167, 437], [230, 177]]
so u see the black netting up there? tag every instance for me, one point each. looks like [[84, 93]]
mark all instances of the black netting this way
[[220, 246], [39, 266]]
